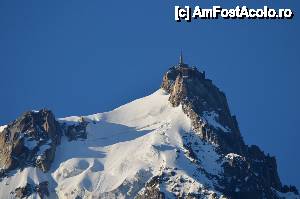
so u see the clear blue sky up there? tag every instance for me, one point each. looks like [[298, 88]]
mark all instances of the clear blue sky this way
[[82, 57]]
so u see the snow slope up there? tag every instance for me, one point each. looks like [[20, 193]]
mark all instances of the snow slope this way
[[124, 149]]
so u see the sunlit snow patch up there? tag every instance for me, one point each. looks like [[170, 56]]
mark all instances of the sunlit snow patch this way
[[211, 119], [2, 128]]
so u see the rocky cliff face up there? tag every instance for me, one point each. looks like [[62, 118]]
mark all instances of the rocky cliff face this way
[[30, 140], [202, 101], [248, 172]]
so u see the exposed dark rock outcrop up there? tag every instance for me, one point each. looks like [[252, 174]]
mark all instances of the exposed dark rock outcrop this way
[[248, 173], [198, 96], [30, 140], [76, 131], [151, 190], [23, 192]]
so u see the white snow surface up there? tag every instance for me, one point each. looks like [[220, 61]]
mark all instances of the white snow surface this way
[[2, 128], [124, 149], [127, 146], [232, 156], [211, 118]]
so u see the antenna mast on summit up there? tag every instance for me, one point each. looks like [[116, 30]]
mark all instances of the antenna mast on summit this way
[[181, 58]]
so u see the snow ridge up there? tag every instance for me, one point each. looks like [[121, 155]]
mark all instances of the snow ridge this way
[[145, 141]]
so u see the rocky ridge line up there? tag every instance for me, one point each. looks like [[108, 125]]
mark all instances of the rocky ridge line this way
[[249, 173]]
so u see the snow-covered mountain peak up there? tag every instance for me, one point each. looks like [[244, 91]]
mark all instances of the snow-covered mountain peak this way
[[179, 142]]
